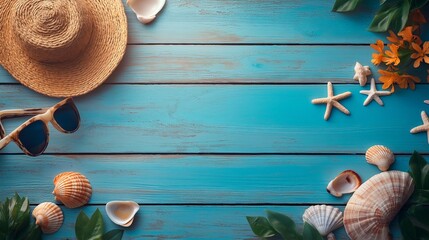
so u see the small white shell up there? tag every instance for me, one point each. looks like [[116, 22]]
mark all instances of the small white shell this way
[[146, 10], [380, 156], [346, 182], [361, 73], [48, 216], [324, 218], [122, 212]]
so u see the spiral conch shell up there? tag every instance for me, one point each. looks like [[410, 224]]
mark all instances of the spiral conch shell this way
[[380, 156], [72, 188], [324, 218], [48, 216], [374, 205]]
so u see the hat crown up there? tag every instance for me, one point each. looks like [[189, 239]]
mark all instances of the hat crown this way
[[52, 30]]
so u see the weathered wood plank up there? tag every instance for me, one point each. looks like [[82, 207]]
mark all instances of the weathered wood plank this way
[[253, 21], [236, 64], [229, 119], [192, 222], [178, 179]]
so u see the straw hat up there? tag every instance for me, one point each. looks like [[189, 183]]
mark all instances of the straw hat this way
[[62, 48]]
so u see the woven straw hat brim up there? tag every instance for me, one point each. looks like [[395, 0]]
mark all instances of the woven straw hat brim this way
[[105, 50]]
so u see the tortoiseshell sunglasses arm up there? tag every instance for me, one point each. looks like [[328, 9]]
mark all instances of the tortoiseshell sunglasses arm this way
[[13, 113]]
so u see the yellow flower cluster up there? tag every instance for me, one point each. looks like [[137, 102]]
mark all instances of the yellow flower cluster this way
[[404, 49]]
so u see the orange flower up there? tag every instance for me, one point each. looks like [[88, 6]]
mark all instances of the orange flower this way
[[417, 17], [377, 58], [407, 34], [420, 54], [405, 80], [388, 79], [395, 39], [392, 55]]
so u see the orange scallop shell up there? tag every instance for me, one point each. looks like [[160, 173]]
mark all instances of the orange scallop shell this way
[[72, 189], [48, 216]]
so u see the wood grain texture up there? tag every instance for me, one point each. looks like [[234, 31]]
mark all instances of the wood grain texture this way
[[229, 119], [192, 222], [253, 21], [195, 179], [236, 64]]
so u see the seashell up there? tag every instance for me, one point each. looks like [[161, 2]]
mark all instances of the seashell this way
[[330, 236], [346, 182], [324, 218], [361, 73], [380, 156], [48, 216], [122, 212], [72, 188], [146, 10], [373, 206]]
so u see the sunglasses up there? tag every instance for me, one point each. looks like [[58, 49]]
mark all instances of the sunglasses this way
[[33, 135]]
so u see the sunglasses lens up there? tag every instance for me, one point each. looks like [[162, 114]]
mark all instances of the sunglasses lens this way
[[67, 117], [34, 137]]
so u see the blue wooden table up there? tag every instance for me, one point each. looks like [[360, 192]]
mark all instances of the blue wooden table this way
[[209, 119]]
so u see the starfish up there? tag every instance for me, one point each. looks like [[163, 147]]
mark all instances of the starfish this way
[[424, 126], [332, 100], [373, 94], [361, 73]]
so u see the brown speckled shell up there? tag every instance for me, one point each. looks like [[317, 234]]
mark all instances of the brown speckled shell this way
[[375, 203], [72, 189], [48, 216]]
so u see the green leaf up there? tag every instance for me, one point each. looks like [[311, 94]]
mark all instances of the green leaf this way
[[80, 226], [283, 225], [345, 5], [96, 226], [408, 230], [420, 196], [425, 177], [417, 163], [261, 227], [418, 4], [115, 234], [310, 233], [392, 16], [418, 215]]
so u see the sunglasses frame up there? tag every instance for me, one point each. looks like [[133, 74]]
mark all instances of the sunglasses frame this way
[[43, 114]]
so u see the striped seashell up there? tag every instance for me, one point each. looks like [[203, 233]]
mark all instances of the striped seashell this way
[[324, 218], [380, 156], [374, 205], [72, 189], [48, 216]]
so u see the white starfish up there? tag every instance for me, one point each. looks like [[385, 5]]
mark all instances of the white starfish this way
[[361, 73], [332, 100], [424, 126], [373, 94]]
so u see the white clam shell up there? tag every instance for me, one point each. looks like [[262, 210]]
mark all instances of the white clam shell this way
[[324, 218], [380, 156], [374, 204], [346, 182], [146, 10], [122, 212]]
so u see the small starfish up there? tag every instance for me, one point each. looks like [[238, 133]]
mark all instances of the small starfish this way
[[373, 94], [361, 73], [332, 100], [424, 126]]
